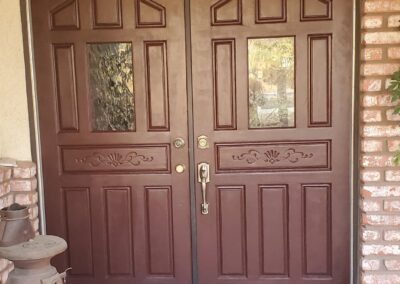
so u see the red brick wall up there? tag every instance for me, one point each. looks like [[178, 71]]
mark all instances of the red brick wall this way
[[380, 193], [18, 185]]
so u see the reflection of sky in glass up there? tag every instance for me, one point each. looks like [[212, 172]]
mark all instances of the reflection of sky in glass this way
[[271, 82], [111, 86]]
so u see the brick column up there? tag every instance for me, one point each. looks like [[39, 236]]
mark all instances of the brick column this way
[[380, 193], [18, 185]]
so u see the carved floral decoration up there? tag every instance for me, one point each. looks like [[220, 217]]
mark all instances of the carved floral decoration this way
[[273, 156], [114, 159]]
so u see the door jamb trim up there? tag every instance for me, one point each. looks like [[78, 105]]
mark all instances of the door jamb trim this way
[[355, 149], [33, 110]]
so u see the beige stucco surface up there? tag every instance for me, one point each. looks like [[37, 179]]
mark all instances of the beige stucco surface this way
[[14, 125]]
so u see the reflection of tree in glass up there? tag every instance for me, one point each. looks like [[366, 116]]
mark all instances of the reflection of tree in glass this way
[[271, 72], [111, 87]]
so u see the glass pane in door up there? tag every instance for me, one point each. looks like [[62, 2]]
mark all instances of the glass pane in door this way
[[111, 86], [271, 63]]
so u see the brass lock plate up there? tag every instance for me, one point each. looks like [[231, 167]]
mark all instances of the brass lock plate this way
[[202, 142]]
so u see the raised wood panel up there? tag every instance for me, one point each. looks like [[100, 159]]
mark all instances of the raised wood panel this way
[[65, 80], [271, 11], [119, 231], [232, 231], [65, 16], [313, 155], [150, 158], [316, 10], [274, 230], [157, 85], [320, 80], [79, 230], [107, 14], [317, 227], [224, 84], [150, 14], [159, 231], [226, 12]]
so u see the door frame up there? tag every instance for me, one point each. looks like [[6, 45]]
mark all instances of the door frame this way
[[354, 183]]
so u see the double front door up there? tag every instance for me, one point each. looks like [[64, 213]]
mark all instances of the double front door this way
[[202, 141]]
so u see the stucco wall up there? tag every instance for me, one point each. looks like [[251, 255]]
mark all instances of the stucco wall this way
[[14, 126]]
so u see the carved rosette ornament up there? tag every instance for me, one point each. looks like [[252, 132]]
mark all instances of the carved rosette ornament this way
[[273, 156], [114, 159]]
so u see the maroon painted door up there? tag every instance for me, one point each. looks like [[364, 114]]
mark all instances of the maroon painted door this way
[[272, 94], [271, 138], [112, 97]]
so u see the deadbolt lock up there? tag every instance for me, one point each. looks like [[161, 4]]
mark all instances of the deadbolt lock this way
[[202, 142], [179, 143]]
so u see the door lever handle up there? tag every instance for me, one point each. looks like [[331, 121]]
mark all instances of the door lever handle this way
[[203, 172]]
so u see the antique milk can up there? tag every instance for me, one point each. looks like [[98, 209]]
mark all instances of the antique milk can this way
[[31, 254]]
